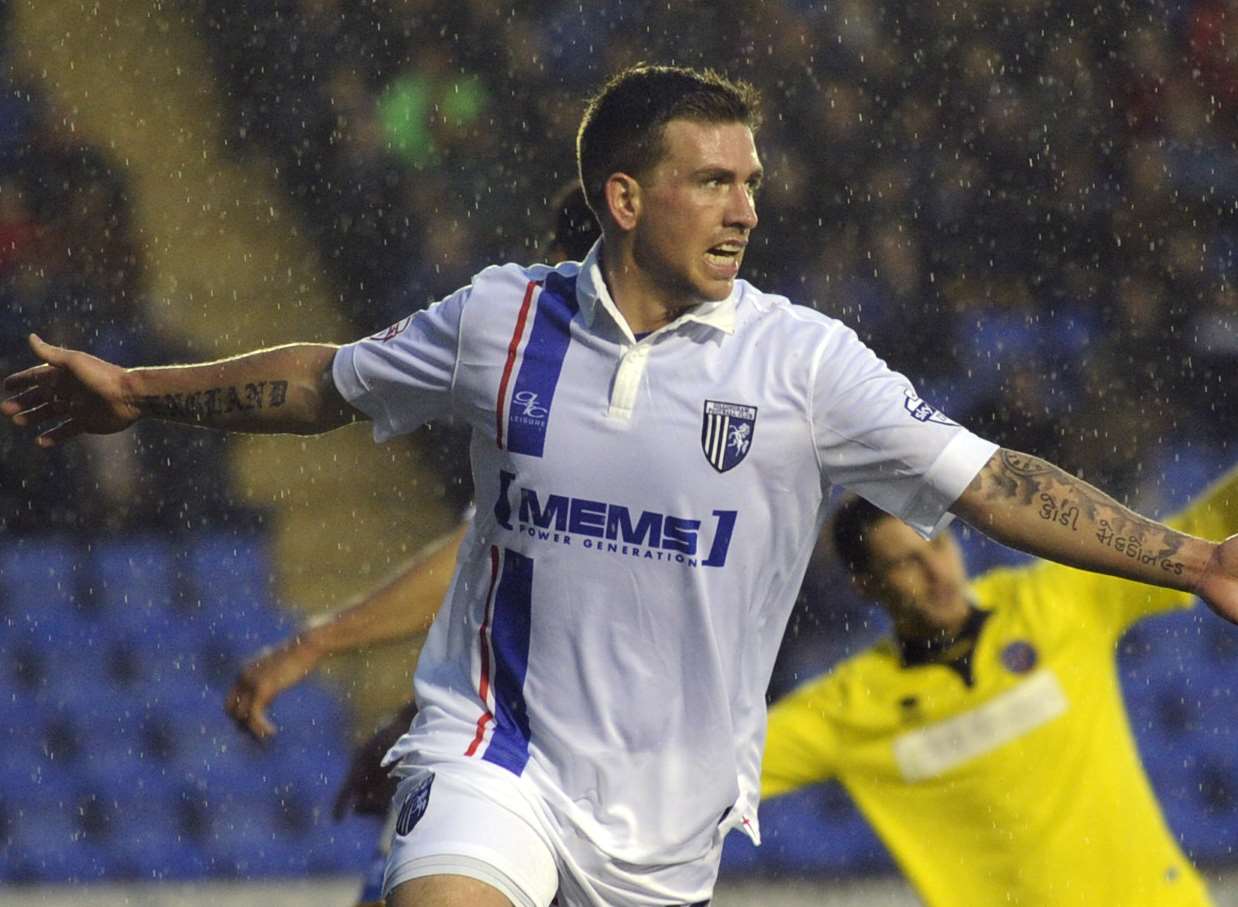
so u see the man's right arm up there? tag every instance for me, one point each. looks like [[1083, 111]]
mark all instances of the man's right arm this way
[[285, 389]]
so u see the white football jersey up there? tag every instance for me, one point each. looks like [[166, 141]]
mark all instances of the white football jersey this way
[[646, 509]]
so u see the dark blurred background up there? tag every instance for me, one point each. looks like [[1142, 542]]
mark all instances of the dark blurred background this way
[[1028, 207]]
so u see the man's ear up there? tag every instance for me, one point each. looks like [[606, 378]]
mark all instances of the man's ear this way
[[623, 200]]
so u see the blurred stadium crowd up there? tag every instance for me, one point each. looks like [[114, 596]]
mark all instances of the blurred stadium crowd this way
[[1029, 207]]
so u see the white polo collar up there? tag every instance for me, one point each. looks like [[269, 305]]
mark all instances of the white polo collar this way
[[592, 294]]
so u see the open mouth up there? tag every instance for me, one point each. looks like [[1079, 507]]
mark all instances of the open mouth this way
[[725, 255]]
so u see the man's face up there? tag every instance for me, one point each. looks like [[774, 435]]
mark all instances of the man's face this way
[[921, 583], [698, 209]]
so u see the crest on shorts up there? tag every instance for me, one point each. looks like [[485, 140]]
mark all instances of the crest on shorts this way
[[726, 433], [414, 806]]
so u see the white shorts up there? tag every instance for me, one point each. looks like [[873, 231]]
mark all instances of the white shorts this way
[[466, 819], [445, 827]]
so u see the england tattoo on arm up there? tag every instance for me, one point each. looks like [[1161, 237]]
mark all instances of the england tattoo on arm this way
[[205, 407], [1063, 500]]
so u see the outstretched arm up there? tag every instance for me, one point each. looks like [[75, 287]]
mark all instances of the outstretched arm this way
[[285, 389], [1032, 505], [401, 608]]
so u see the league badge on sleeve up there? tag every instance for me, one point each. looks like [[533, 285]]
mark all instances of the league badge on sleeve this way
[[726, 433], [394, 331], [924, 412]]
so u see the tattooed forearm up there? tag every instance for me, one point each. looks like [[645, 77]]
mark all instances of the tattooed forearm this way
[[1018, 476], [205, 407], [1057, 496], [1063, 501], [1062, 511], [1133, 546]]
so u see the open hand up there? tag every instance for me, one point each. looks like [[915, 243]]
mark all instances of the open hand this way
[[264, 678], [77, 392], [1218, 586]]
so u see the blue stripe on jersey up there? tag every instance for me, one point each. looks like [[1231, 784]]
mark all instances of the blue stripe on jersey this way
[[528, 411], [509, 639]]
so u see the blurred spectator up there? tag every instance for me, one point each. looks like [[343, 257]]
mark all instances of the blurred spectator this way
[[1055, 170], [1213, 44], [70, 267]]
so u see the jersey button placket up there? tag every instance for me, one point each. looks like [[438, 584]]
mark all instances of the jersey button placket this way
[[627, 382]]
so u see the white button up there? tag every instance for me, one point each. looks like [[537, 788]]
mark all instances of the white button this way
[[627, 382]]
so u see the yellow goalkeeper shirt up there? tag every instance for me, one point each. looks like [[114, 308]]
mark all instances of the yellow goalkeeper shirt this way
[[1023, 789]]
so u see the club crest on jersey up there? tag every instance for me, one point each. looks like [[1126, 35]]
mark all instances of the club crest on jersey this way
[[414, 806], [924, 412], [726, 433], [1019, 657]]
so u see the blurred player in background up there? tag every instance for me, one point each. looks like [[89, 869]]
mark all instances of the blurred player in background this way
[[402, 608], [654, 440], [986, 740]]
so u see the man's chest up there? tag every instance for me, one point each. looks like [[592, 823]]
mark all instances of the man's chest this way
[[672, 415]]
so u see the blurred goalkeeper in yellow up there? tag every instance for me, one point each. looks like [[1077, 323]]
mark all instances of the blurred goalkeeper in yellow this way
[[986, 740]]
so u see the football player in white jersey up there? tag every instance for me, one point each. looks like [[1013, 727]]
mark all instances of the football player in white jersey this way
[[402, 607], [592, 692]]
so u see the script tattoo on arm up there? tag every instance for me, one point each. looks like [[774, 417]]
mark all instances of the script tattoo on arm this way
[[1064, 501], [207, 406]]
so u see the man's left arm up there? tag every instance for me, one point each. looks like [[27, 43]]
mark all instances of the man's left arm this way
[[1029, 504]]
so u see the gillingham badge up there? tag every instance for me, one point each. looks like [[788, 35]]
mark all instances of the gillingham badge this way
[[726, 433], [414, 806]]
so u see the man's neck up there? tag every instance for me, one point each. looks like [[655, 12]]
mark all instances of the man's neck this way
[[643, 304], [923, 643]]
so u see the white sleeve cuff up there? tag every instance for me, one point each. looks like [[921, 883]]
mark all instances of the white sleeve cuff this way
[[946, 480], [352, 389]]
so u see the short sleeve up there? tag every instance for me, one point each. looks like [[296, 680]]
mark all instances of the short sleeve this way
[[874, 435], [403, 377]]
